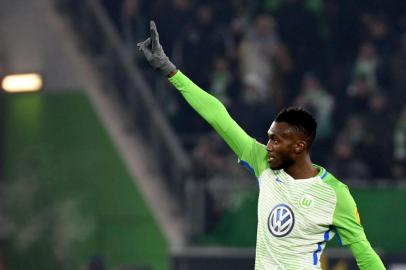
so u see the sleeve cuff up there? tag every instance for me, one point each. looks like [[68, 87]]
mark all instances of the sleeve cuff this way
[[176, 80]]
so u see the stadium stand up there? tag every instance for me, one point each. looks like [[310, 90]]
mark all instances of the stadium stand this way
[[342, 66], [343, 60]]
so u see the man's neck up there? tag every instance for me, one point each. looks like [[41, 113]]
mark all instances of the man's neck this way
[[302, 169]]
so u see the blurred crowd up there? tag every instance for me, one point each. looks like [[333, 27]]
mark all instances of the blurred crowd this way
[[343, 60]]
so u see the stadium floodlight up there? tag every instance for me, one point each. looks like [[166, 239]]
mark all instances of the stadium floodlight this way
[[17, 83]]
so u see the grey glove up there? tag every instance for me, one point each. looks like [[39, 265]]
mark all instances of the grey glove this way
[[154, 53]]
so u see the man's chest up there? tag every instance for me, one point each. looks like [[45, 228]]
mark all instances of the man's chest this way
[[290, 208]]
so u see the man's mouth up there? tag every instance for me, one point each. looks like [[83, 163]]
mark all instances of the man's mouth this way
[[271, 158]]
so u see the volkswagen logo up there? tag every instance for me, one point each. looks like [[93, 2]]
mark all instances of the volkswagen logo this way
[[281, 220]]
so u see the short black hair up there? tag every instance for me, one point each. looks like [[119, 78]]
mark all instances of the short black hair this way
[[301, 119]]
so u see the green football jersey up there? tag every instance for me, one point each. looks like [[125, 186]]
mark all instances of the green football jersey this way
[[296, 217]]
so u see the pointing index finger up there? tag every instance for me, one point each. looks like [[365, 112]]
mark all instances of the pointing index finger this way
[[154, 34]]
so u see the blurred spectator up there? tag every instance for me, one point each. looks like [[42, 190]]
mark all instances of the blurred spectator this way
[[252, 109], [358, 94], [208, 156], [133, 23], [299, 30], [366, 64], [345, 165], [244, 13], [229, 10], [262, 55], [398, 76], [221, 80], [172, 18], [354, 133], [379, 143], [343, 24], [379, 33], [275, 5], [399, 168], [317, 100], [197, 47], [257, 56], [195, 51], [253, 92], [255, 66]]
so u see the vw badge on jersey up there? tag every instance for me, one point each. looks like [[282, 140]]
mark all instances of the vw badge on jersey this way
[[281, 220]]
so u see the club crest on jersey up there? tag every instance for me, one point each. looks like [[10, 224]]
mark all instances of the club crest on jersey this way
[[281, 220], [306, 201]]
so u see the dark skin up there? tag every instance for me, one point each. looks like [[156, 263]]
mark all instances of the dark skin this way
[[288, 149]]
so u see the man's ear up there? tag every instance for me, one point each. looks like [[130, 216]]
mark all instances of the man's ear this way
[[300, 146]]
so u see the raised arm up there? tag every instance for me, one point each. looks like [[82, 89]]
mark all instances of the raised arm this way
[[213, 111], [210, 108]]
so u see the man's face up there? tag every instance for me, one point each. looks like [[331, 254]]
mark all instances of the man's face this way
[[281, 145]]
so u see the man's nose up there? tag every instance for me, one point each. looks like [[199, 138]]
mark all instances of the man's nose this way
[[269, 146]]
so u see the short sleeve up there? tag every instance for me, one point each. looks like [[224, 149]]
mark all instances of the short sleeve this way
[[346, 218], [254, 157]]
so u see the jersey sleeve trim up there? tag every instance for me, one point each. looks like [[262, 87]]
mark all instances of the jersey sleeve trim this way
[[339, 240], [319, 247], [322, 172], [246, 165]]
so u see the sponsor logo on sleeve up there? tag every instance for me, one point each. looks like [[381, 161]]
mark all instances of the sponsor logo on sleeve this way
[[357, 217]]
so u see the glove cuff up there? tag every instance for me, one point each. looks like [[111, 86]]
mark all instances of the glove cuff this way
[[167, 68]]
